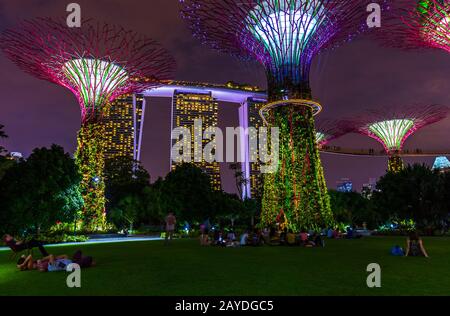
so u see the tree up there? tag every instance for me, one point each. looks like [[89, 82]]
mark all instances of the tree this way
[[239, 178], [187, 192], [413, 193], [353, 208], [125, 214], [2, 135], [123, 177], [40, 191]]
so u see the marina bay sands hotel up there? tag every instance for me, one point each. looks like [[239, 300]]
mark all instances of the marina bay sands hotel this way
[[125, 120]]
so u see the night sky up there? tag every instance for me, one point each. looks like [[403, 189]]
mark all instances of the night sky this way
[[358, 76]]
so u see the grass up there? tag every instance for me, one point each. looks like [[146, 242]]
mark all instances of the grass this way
[[185, 268]]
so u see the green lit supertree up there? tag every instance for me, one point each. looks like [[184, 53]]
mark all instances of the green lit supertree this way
[[284, 36], [392, 127], [98, 63], [418, 24]]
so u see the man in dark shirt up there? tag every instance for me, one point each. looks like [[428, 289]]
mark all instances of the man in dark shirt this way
[[21, 245]]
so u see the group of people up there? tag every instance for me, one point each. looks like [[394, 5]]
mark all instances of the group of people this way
[[47, 262], [257, 238]]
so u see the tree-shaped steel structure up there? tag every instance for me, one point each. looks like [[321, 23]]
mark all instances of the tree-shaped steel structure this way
[[98, 63], [284, 36], [418, 24], [328, 130], [392, 127]]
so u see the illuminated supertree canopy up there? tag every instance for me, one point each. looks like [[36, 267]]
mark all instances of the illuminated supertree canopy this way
[[98, 63], [418, 23], [393, 127], [284, 36], [328, 130]]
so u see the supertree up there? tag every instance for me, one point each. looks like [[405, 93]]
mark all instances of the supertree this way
[[328, 130], [98, 63], [284, 36], [392, 127], [418, 24]]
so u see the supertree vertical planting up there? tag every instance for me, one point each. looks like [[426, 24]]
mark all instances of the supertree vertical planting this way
[[393, 127], [328, 130], [284, 36], [418, 24], [98, 63]]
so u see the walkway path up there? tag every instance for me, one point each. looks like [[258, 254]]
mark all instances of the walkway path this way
[[101, 241]]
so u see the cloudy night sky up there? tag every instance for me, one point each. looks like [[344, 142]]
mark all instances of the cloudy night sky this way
[[358, 76]]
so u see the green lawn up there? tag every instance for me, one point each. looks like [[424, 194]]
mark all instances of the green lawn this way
[[185, 268]]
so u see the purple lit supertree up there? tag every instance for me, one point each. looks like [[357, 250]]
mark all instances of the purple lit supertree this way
[[392, 127], [418, 24], [284, 36], [328, 130], [98, 63]]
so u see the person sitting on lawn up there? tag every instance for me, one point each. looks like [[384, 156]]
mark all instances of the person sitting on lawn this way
[[244, 239], [336, 233], [231, 239], [218, 239], [414, 246], [303, 238], [18, 246], [317, 240], [290, 238]]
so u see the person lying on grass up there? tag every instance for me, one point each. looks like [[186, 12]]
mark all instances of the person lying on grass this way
[[53, 263], [28, 263], [17, 246]]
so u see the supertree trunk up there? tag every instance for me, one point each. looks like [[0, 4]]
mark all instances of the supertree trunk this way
[[90, 160], [395, 163], [296, 196]]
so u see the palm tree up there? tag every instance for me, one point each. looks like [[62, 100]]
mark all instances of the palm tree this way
[[2, 135], [239, 178]]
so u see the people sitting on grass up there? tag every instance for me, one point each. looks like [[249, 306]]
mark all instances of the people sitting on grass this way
[[231, 239], [244, 239], [18, 246], [414, 246], [255, 238], [291, 238], [337, 234], [219, 240], [317, 240], [53, 263], [303, 238], [330, 233], [265, 236]]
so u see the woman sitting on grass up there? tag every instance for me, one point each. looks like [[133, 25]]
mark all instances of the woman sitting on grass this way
[[414, 246]]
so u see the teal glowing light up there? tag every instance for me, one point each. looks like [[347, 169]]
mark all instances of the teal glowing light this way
[[441, 163], [285, 28], [392, 133]]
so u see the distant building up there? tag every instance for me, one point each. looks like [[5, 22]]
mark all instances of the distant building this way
[[368, 188], [441, 164], [345, 185], [187, 107], [249, 117], [123, 121], [15, 156]]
